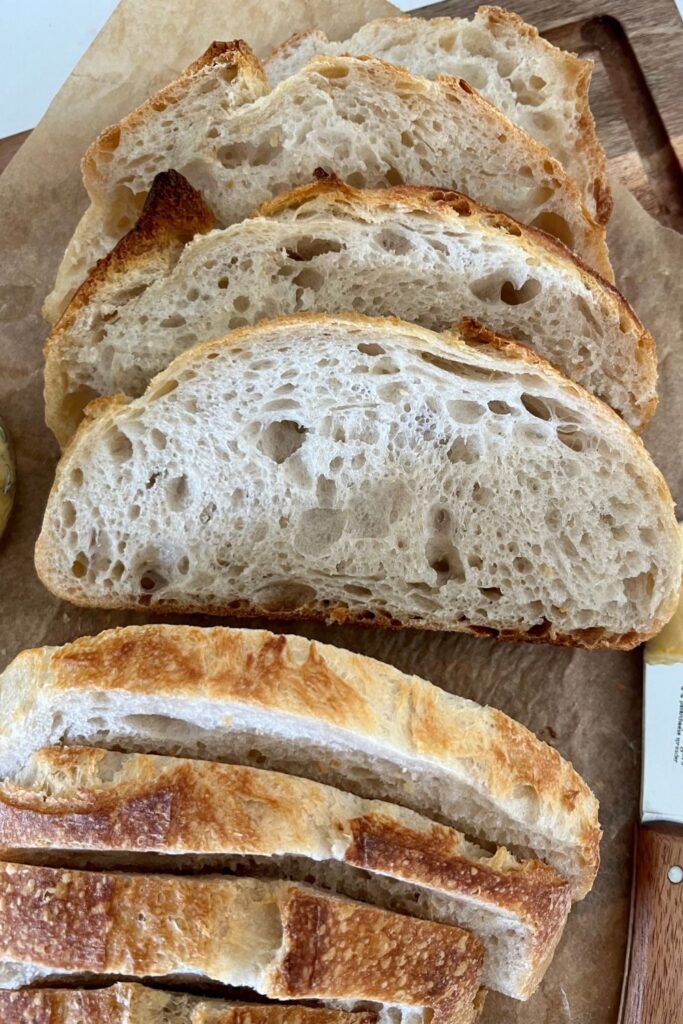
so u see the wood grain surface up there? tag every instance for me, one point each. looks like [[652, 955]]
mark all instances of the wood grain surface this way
[[653, 983]]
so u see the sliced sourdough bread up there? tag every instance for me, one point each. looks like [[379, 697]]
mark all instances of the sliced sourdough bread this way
[[347, 468], [307, 709], [130, 1003], [428, 256], [226, 76], [542, 89], [284, 940], [87, 807], [370, 122]]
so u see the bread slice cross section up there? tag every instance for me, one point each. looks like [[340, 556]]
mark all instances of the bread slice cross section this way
[[427, 255], [542, 89], [223, 78], [283, 940], [348, 468], [132, 1003], [307, 709], [370, 122], [85, 807]]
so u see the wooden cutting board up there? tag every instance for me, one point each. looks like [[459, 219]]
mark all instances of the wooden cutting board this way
[[637, 87]]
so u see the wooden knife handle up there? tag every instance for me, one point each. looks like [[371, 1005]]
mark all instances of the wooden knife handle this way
[[653, 982]]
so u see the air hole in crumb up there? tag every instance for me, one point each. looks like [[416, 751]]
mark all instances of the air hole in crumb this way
[[518, 296], [463, 411], [151, 581], [279, 440], [371, 349], [120, 447], [79, 566], [500, 408], [175, 320], [535, 405], [554, 225]]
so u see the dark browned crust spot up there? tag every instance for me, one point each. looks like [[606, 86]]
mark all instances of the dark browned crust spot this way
[[173, 214], [46, 912]]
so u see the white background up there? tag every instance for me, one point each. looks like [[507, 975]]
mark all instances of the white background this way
[[41, 40]]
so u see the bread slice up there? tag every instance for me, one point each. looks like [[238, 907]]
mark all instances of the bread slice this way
[[130, 1003], [307, 709], [286, 941], [540, 88], [226, 76], [370, 122], [429, 256], [355, 469], [84, 807]]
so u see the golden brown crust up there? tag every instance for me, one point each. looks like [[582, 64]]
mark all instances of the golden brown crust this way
[[131, 1003], [233, 57], [334, 946], [336, 688], [172, 806], [77, 921]]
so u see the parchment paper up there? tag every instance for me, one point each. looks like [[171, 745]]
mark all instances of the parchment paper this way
[[586, 704]]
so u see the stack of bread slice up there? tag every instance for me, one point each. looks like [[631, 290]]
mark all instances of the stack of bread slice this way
[[336, 338], [329, 849]]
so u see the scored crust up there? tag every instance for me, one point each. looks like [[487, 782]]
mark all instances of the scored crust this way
[[101, 413], [79, 921], [178, 808], [333, 687]]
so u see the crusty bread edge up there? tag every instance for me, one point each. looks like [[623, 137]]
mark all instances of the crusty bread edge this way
[[323, 937], [173, 213], [118, 657], [122, 817]]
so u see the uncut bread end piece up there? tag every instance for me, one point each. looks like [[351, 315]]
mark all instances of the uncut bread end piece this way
[[88, 807], [427, 255], [283, 940], [539, 87], [311, 710]]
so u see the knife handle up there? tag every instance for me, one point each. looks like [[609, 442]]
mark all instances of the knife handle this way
[[653, 982]]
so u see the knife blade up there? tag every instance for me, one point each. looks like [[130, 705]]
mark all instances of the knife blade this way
[[653, 980]]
